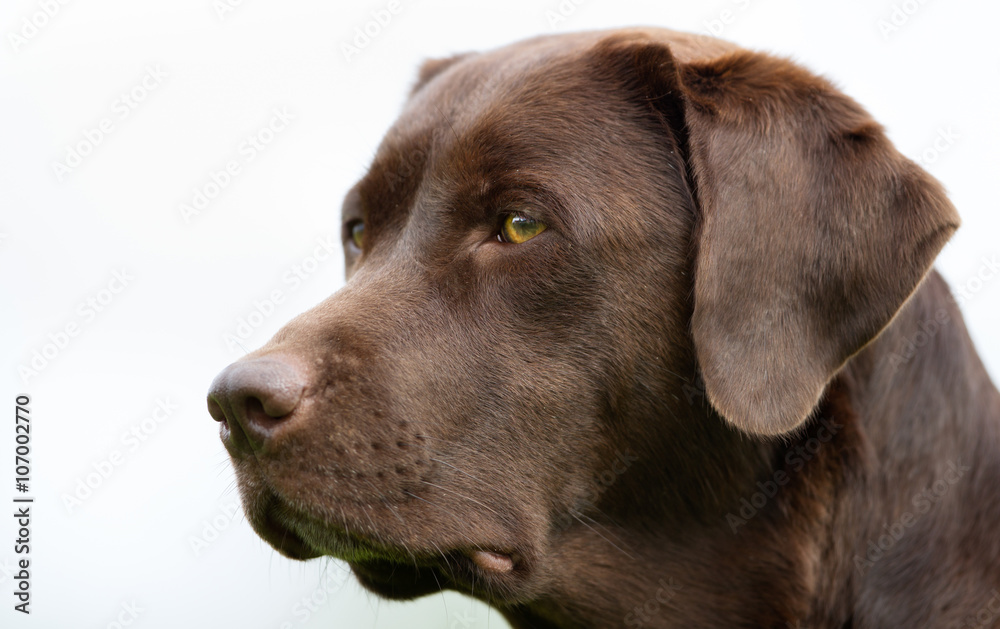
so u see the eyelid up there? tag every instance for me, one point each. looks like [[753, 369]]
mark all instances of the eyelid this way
[[532, 201], [526, 210]]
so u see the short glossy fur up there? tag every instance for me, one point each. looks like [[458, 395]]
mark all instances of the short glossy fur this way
[[694, 400]]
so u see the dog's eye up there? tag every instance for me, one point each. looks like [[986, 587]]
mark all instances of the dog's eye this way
[[518, 228], [356, 230]]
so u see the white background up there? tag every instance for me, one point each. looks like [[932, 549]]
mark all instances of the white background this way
[[161, 336]]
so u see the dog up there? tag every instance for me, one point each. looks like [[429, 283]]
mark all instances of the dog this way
[[640, 330]]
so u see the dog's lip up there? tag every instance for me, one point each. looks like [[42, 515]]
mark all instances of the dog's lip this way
[[294, 536], [285, 540], [397, 580], [466, 570], [487, 561], [358, 548]]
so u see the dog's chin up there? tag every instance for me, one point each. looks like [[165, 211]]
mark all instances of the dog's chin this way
[[388, 578], [281, 537], [396, 580], [484, 574], [393, 571]]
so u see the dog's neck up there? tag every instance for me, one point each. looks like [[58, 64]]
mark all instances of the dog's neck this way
[[744, 530]]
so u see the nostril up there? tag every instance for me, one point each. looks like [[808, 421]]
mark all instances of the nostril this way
[[252, 398], [258, 417], [216, 412], [280, 398]]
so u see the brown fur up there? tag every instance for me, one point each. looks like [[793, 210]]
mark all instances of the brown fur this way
[[691, 402]]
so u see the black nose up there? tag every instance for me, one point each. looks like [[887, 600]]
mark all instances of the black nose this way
[[253, 398]]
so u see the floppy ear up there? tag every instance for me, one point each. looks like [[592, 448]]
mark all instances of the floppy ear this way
[[813, 229], [433, 67]]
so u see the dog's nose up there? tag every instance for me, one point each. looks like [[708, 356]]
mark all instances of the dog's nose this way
[[254, 399]]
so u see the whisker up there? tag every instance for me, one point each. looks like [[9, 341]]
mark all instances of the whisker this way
[[627, 554], [472, 500], [462, 446], [460, 471]]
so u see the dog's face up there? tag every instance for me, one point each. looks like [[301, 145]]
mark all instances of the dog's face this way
[[494, 319], [550, 243]]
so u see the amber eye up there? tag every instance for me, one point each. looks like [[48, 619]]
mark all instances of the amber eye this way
[[518, 228], [356, 230]]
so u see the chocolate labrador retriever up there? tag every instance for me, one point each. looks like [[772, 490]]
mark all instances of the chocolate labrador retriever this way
[[639, 330]]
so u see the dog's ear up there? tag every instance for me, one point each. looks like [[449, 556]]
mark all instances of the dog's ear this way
[[813, 230], [433, 67]]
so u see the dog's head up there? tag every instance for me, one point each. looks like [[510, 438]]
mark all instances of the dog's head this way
[[551, 244]]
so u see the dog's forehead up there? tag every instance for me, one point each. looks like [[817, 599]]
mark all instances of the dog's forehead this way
[[529, 109], [481, 114], [533, 73], [478, 87]]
